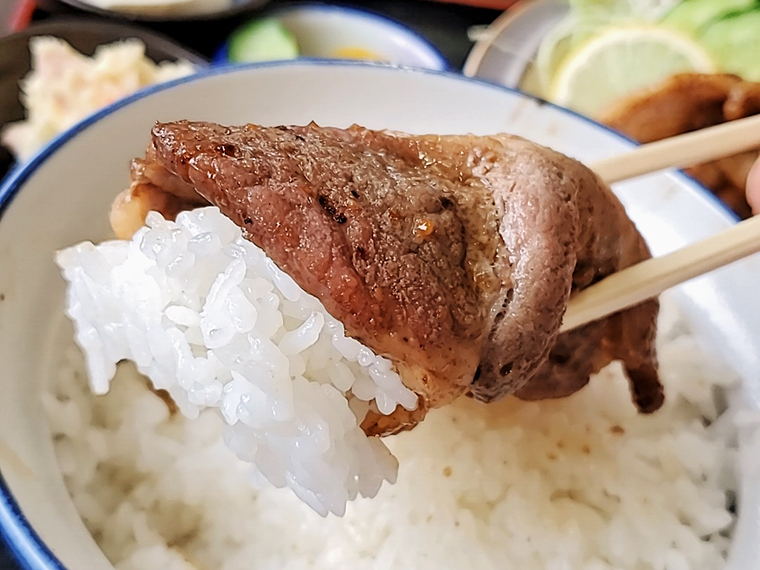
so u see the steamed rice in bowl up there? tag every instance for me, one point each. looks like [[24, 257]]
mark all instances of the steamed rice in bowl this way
[[582, 482]]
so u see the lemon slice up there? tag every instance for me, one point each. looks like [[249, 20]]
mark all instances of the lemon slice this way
[[622, 60]]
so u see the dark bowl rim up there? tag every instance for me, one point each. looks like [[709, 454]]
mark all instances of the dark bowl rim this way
[[15, 529], [231, 11], [120, 29], [220, 57]]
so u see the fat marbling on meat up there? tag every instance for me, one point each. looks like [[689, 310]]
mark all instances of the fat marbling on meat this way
[[455, 256]]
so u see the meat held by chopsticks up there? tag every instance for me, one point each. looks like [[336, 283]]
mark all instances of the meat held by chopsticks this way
[[454, 256]]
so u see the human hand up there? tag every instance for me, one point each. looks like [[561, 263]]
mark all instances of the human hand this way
[[753, 187]]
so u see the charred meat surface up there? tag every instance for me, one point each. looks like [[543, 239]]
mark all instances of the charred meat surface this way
[[455, 256], [688, 102]]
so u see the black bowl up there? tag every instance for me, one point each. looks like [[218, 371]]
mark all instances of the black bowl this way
[[84, 34]]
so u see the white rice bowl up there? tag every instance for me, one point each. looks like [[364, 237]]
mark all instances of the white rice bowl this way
[[578, 483], [582, 482]]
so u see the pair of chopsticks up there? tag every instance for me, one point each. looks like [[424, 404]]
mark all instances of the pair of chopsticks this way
[[649, 278]]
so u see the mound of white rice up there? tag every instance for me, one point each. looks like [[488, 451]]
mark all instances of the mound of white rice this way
[[582, 483], [213, 321]]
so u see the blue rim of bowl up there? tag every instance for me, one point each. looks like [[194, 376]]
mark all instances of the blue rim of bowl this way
[[221, 55], [15, 529]]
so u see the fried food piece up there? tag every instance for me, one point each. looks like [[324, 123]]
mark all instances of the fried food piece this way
[[689, 102]]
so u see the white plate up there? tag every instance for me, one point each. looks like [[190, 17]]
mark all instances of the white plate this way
[[63, 196]]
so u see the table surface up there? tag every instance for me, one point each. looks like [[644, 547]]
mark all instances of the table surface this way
[[444, 25]]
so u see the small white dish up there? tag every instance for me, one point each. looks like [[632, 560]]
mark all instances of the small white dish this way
[[326, 31], [63, 195]]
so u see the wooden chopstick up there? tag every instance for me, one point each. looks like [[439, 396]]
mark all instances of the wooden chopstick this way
[[683, 150], [649, 278]]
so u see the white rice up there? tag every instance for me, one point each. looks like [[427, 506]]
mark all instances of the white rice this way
[[579, 483], [213, 321]]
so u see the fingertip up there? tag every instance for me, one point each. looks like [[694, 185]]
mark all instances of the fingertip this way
[[753, 187]]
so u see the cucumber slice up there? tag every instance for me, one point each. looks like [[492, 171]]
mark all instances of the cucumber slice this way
[[262, 40], [694, 15], [734, 42]]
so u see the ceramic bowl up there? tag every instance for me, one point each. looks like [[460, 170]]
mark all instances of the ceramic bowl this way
[[84, 34], [325, 31], [62, 196]]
